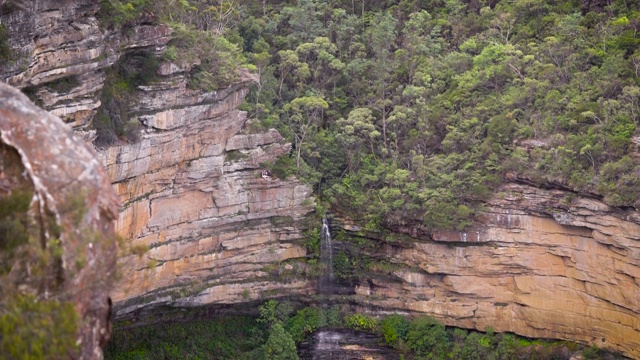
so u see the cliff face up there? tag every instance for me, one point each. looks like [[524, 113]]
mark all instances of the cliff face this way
[[195, 196], [73, 261], [56, 43], [190, 184], [540, 263]]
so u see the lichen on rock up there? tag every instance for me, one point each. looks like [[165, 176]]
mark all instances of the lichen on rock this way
[[58, 247]]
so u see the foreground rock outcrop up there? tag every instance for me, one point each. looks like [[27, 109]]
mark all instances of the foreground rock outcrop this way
[[72, 214]]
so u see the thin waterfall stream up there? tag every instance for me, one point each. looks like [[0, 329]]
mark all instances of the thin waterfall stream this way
[[335, 343], [326, 281], [326, 248]]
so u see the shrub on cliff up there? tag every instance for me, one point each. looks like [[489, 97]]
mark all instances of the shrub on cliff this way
[[427, 337], [114, 120], [361, 322], [279, 345], [117, 13], [394, 328], [217, 58], [5, 49], [32, 328], [305, 322]]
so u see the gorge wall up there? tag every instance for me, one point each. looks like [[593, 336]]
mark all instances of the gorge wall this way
[[537, 262], [195, 196], [191, 184]]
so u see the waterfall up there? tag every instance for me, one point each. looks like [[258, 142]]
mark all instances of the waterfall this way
[[326, 249], [326, 257], [328, 340]]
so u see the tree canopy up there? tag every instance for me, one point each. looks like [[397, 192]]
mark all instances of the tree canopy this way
[[417, 110]]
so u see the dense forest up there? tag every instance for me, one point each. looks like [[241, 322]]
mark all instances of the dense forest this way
[[417, 110]]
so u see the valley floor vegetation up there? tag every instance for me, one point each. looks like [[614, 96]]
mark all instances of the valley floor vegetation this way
[[275, 333]]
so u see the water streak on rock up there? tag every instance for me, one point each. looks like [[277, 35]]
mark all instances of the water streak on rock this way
[[326, 249]]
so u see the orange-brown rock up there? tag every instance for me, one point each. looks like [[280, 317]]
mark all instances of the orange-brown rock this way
[[191, 186], [195, 197], [71, 190], [56, 41], [539, 263]]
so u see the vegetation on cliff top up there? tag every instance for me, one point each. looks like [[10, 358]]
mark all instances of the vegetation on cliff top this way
[[211, 59], [416, 110], [430, 104]]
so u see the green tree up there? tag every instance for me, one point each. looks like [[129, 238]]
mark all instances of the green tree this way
[[279, 345], [357, 131], [394, 328], [382, 37], [304, 115], [428, 337]]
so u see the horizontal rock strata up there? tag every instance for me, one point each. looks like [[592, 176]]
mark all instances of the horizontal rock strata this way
[[195, 197], [54, 42], [539, 263]]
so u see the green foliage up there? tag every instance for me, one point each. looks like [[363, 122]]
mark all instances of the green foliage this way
[[217, 57], [6, 53], [305, 322], [13, 225], [334, 316], [64, 85], [428, 338], [476, 347], [268, 338], [414, 90], [361, 322], [394, 328], [218, 338], [118, 13], [284, 167], [33, 328], [273, 311], [114, 121], [312, 241], [592, 353], [279, 345]]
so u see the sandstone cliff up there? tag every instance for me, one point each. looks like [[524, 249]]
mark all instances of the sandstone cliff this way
[[56, 42], [540, 263], [72, 214], [195, 197], [190, 184]]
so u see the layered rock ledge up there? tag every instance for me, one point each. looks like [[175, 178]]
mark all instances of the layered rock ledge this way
[[190, 185], [539, 263], [60, 54], [194, 195]]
